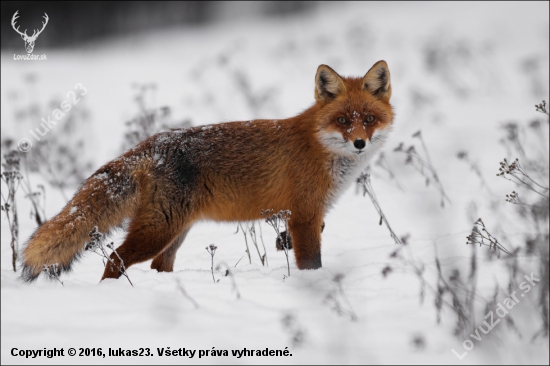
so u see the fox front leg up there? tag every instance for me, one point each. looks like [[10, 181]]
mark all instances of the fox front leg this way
[[285, 238], [306, 239]]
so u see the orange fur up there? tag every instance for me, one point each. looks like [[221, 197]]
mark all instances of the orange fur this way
[[226, 172]]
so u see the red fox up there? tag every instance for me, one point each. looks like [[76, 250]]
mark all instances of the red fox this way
[[226, 172]]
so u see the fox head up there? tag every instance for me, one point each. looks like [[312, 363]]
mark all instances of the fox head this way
[[354, 114]]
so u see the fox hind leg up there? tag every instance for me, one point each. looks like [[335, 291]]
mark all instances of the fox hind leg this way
[[164, 262], [148, 235]]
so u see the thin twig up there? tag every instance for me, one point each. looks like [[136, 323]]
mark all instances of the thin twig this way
[[364, 181], [96, 243], [53, 272], [229, 272], [275, 220], [245, 241], [185, 294], [212, 250]]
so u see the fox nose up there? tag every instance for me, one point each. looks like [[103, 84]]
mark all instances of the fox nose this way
[[359, 143]]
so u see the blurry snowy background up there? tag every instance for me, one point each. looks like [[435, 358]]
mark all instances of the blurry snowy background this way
[[467, 75]]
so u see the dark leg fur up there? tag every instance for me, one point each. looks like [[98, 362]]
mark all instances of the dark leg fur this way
[[307, 244], [164, 262], [149, 234], [286, 238]]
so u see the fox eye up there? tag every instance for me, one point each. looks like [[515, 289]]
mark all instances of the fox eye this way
[[370, 119], [342, 120]]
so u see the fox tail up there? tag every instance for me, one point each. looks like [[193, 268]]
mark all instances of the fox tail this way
[[104, 200]]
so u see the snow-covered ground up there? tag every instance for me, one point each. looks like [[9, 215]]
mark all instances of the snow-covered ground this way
[[459, 71]]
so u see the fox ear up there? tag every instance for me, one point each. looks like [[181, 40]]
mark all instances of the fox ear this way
[[377, 81], [328, 84]]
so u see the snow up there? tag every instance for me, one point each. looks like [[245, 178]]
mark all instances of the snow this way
[[459, 103]]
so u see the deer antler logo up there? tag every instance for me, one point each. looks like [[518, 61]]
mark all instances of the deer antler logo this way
[[29, 41]]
